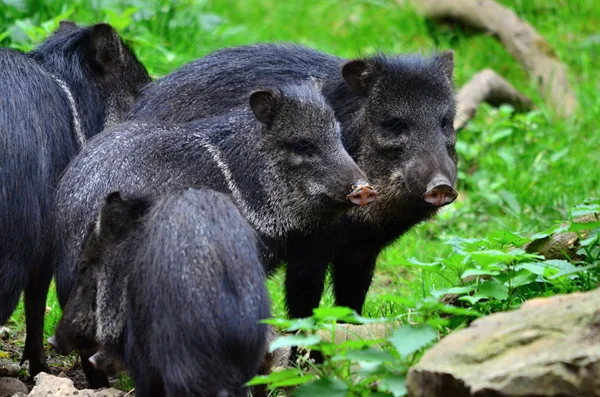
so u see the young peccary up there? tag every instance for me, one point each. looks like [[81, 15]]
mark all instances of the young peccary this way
[[280, 158], [179, 293], [51, 100], [396, 115]]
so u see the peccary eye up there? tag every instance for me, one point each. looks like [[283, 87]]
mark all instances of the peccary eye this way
[[302, 147], [395, 125], [446, 122]]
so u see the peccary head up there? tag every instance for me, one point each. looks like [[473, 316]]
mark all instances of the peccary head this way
[[94, 312], [302, 141], [102, 73], [404, 136]]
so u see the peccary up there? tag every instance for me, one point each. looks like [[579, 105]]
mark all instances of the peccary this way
[[180, 290], [396, 115], [51, 100], [286, 172]]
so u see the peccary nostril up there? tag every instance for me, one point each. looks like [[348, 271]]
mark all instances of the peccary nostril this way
[[52, 341], [94, 360], [362, 194], [440, 195]]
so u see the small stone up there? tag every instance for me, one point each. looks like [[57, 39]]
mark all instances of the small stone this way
[[13, 369], [4, 333], [50, 385], [10, 386]]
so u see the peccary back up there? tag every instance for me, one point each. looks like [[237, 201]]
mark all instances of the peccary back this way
[[396, 115], [180, 293], [51, 100]]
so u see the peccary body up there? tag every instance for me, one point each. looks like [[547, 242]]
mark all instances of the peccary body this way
[[51, 100], [280, 159], [180, 290], [396, 115]]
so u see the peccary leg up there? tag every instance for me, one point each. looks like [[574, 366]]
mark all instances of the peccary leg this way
[[96, 379], [352, 274], [36, 293], [304, 282]]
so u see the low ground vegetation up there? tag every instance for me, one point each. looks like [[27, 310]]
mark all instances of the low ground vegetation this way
[[522, 177]]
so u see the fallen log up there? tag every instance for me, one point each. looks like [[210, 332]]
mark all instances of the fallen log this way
[[519, 38], [487, 86]]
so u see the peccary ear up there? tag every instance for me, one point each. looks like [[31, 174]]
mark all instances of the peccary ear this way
[[107, 49], [445, 62], [265, 105], [113, 216], [359, 76], [114, 198], [66, 26]]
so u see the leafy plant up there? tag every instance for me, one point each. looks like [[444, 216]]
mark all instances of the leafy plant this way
[[374, 366]]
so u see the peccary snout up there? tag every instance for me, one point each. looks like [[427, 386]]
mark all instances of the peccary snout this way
[[58, 346], [440, 193], [362, 194]]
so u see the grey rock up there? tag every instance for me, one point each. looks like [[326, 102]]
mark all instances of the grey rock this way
[[4, 333], [12, 369], [10, 386], [50, 385], [549, 347]]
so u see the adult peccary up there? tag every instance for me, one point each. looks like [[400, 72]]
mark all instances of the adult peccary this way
[[51, 100], [396, 115], [280, 158], [180, 291]]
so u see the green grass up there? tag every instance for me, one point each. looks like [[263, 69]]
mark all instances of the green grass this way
[[515, 175]]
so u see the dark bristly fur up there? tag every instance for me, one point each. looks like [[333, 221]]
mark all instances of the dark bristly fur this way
[[286, 173], [180, 293], [396, 116], [41, 129]]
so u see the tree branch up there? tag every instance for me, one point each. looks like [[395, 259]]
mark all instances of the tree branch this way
[[518, 37], [487, 86]]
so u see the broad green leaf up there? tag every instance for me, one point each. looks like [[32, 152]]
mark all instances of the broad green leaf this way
[[574, 270], [370, 368], [454, 290], [323, 387], [591, 239], [409, 339], [395, 384], [505, 238], [589, 207], [369, 354], [537, 268], [576, 227], [416, 263], [292, 381], [287, 374], [558, 264], [479, 272], [303, 324], [522, 277], [493, 289], [332, 312], [472, 299], [294, 340]]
